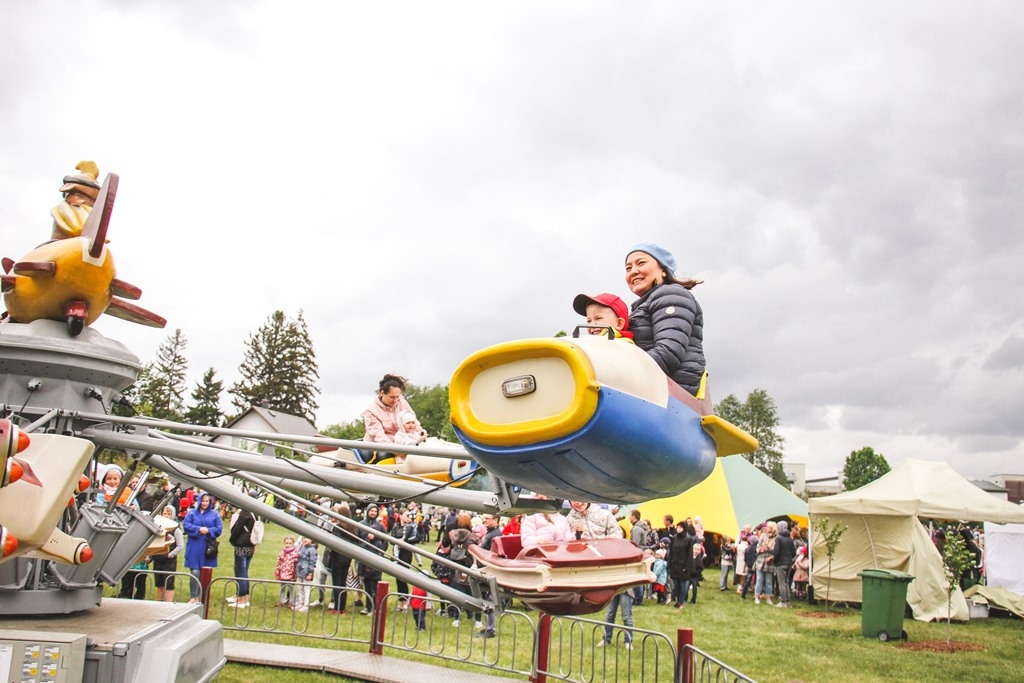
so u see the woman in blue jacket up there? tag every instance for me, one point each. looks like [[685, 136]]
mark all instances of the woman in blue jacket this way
[[202, 524]]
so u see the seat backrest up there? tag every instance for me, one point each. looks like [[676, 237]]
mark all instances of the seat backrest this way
[[508, 546]]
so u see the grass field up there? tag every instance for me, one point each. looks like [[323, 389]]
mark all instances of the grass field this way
[[763, 642]]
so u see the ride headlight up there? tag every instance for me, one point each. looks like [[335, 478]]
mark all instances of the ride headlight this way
[[519, 386]]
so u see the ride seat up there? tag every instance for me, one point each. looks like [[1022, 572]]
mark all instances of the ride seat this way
[[507, 546]]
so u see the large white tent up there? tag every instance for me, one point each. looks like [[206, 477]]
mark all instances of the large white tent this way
[[884, 531]]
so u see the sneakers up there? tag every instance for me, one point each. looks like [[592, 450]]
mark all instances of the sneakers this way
[[314, 603], [769, 601], [757, 601], [629, 646], [338, 612], [241, 605], [455, 623], [478, 624], [302, 609], [782, 604], [233, 598], [601, 643], [486, 633], [364, 612]]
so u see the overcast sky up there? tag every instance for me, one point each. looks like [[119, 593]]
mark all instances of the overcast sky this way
[[426, 179]]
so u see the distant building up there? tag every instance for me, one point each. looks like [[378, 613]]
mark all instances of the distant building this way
[[1014, 485], [796, 475], [996, 490], [267, 421]]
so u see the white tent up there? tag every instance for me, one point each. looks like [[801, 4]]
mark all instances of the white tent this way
[[884, 532], [1004, 556]]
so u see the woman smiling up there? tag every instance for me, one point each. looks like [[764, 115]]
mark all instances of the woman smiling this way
[[666, 320]]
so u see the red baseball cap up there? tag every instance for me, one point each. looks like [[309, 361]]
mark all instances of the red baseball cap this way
[[580, 303]]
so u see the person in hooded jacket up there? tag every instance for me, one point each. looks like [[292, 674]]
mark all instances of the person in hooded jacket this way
[[376, 540], [680, 561], [783, 556], [202, 524]]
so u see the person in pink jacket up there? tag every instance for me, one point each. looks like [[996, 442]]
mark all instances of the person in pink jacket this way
[[545, 527], [382, 417]]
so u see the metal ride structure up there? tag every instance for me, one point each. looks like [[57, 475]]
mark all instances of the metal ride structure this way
[[557, 416], [58, 393]]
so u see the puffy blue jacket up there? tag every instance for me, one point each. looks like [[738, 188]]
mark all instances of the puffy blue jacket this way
[[668, 323]]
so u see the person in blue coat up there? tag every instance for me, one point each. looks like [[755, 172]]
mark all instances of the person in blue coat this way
[[202, 523]]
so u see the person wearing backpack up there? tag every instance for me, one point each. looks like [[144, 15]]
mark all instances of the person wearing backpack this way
[[242, 524], [455, 545]]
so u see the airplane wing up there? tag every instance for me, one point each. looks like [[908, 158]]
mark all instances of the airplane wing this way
[[33, 267], [119, 308], [124, 289]]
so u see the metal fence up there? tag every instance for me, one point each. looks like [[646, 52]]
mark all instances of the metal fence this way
[[559, 648]]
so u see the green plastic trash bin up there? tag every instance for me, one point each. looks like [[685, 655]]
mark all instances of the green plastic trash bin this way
[[884, 600]]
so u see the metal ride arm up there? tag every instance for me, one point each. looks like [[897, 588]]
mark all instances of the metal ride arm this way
[[325, 538], [212, 454]]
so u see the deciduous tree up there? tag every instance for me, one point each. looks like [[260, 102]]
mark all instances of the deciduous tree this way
[[863, 467], [759, 417]]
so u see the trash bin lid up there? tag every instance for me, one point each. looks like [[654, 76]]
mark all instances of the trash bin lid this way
[[886, 575]]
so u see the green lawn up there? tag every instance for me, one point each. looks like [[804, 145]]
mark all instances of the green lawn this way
[[765, 643]]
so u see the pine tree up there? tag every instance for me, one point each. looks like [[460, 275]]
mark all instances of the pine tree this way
[[161, 385], [279, 369], [759, 417], [205, 409]]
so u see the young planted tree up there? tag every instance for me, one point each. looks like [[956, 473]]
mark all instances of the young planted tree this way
[[161, 386], [831, 534], [956, 559], [760, 418], [863, 467], [279, 370]]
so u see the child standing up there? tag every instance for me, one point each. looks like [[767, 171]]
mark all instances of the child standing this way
[[604, 311], [305, 570], [287, 560], [419, 606], [660, 570], [800, 573]]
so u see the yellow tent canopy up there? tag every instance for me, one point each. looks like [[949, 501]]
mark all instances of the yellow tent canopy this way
[[735, 494]]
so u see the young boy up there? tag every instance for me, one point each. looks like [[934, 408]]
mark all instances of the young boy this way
[[604, 311], [419, 606]]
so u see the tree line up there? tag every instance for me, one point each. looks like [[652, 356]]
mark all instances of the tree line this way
[[279, 371]]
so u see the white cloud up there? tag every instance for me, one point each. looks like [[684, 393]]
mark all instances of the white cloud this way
[[423, 181]]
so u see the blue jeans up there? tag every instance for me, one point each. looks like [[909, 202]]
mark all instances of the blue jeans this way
[[242, 573], [763, 586], [625, 601], [680, 587], [193, 586], [724, 582]]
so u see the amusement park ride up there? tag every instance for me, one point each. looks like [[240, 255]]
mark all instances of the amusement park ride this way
[[586, 418]]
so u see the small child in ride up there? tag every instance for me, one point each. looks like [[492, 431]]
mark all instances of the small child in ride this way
[[603, 311]]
